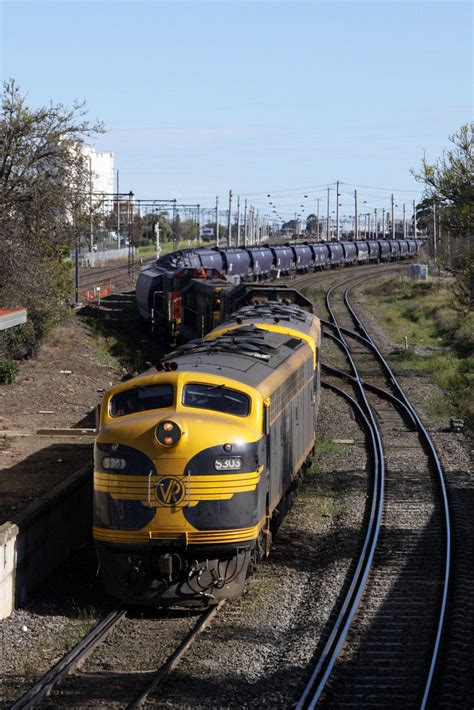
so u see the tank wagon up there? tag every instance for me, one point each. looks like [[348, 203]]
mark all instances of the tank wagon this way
[[160, 286], [196, 461]]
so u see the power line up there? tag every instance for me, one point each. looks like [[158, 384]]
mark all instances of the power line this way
[[387, 189]]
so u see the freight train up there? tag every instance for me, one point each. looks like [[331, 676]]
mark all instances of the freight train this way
[[161, 287], [197, 460]]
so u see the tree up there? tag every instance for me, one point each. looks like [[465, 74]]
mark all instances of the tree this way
[[312, 224], [449, 182], [43, 193], [177, 229]]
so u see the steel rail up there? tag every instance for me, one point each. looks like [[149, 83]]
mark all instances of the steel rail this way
[[79, 653], [398, 403], [341, 626], [441, 480], [163, 672], [317, 682]]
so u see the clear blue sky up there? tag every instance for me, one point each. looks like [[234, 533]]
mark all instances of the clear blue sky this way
[[260, 97]]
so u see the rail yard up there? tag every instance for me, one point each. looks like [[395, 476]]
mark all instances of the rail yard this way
[[366, 571], [237, 355]]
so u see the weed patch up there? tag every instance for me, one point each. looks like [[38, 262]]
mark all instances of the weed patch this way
[[426, 315], [324, 447]]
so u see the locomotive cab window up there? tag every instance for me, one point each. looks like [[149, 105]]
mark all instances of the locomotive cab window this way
[[141, 399], [216, 397]]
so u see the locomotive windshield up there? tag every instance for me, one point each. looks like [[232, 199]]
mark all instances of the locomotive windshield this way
[[217, 398], [141, 399]]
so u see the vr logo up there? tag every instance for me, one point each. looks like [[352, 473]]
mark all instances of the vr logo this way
[[170, 491]]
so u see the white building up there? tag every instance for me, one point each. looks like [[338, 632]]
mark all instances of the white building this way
[[101, 166]]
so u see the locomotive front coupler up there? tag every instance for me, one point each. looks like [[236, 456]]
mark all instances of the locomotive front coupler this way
[[170, 566]]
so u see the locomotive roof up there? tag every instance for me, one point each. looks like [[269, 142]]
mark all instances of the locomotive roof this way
[[247, 354], [273, 312]]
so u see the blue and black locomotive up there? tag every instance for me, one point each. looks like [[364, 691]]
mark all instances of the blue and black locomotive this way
[[161, 286]]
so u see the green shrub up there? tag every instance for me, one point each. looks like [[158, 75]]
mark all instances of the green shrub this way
[[463, 340], [411, 313], [17, 342], [8, 370], [445, 319]]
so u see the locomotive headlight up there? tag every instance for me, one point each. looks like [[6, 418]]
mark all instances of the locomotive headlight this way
[[113, 463], [228, 463], [168, 433]]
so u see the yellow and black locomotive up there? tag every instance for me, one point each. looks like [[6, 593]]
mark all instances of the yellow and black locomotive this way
[[196, 463]]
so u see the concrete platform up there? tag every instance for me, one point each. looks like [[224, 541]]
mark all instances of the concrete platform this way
[[43, 537]]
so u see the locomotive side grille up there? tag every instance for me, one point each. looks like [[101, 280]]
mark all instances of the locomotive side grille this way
[[286, 392]]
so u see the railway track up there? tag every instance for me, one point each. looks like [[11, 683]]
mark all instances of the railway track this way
[[154, 679], [383, 648], [117, 276]]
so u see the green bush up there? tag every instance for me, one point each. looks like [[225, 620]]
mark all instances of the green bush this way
[[445, 319], [461, 390], [16, 343], [463, 340], [8, 370], [411, 313]]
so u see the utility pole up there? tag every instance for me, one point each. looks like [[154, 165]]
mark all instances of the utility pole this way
[[157, 232], [198, 224], [414, 219], [174, 220], [90, 204], [376, 226], [238, 220], [245, 223], [439, 231], [318, 237], [393, 218], [229, 221], [327, 219], [404, 223], [217, 221], [337, 210], [76, 255], [434, 230], [356, 221], [130, 234], [383, 222], [118, 213]]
